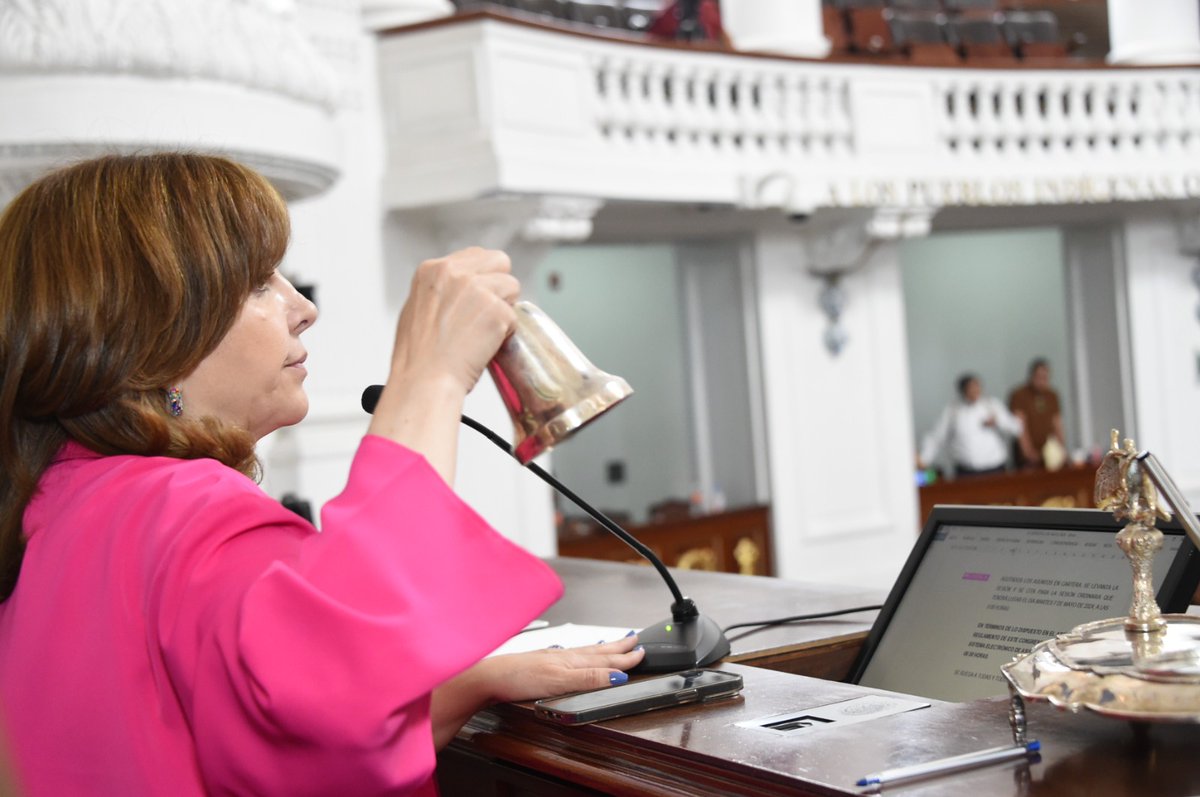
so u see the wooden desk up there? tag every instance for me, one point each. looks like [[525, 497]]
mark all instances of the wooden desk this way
[[611, 593], [734, 541], [694, 750], [701, 751]]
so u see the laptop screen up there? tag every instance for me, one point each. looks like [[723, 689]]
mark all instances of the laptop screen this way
[[983, 585]]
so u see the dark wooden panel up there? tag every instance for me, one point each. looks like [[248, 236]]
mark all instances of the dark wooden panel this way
[[1069, 487], [461, 773], [737, 541], [830, 659], [1090, 57]]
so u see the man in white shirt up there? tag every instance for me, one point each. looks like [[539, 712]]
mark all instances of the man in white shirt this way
[[976, 429]]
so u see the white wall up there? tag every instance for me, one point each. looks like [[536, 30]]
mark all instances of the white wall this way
[[1165, 341], [1099, 318], [621, 306], [673, 320], [717, 291], [839, 428], [988, 303]]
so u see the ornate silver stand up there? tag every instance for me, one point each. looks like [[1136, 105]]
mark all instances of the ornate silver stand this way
[[1143, 667]]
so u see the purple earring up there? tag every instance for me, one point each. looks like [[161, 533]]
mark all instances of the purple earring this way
[[175, 401]]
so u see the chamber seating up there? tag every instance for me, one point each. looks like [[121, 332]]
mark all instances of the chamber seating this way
[[599, 13], [834, 23], [1034, 34], [921, 36], [980, 39], [554, 9], [867, 26], [637, 15], [971, 8], [931, 6], [932, 32], [545, 9]]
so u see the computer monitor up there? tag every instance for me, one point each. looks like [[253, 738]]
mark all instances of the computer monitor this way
[[985, 584]]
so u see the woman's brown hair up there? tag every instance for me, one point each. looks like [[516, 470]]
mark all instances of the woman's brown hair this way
[[117, 277]]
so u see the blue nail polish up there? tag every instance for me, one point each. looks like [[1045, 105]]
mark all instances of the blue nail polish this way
[[617, 678], [555, 647], [631, 633], [636, 649]]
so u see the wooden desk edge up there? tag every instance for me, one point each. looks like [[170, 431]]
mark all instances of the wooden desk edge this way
[[829, 659], [599, 757]]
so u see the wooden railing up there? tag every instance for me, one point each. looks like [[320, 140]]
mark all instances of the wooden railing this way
[[737, 541], [1069, 487]]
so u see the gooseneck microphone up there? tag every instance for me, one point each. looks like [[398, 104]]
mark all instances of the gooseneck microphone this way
[[688, 639]]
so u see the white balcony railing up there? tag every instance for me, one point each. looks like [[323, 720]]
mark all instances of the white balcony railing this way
[[490, 106]]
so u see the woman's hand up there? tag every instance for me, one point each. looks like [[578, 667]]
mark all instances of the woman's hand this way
[[529, 676], [545, 673], [458, 313]]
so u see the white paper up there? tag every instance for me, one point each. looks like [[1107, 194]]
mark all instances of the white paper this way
[[567, 635]]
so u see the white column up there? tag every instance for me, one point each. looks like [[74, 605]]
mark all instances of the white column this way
[[843, 497], [382, 14], [1097, 312], [1159, 32], [790, 27], [1165, 340]]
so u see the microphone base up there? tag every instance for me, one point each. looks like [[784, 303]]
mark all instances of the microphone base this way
[[673, 645]]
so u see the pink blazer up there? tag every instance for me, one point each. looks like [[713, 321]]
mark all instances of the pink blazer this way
[[175, 631]]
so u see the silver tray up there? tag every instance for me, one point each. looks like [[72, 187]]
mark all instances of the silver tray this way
[[1101, 667]]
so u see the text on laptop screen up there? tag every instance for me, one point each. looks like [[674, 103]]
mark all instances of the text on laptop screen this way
[[982, 595]]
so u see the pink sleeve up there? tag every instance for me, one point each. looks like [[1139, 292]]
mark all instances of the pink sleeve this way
[[309, 671]]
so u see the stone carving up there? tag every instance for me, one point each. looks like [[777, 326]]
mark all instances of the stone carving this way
[[840, 242], [255, 43]]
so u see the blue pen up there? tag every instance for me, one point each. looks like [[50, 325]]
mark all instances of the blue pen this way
[[993, 755]]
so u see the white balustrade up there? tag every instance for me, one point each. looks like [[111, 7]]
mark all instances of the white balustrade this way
[[671, 124]]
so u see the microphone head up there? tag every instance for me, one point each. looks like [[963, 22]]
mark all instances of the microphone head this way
[[370, 397]]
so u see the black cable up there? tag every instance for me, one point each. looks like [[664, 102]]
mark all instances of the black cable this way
[[636, 544], [599, 516], [683, 608], [799, 618]]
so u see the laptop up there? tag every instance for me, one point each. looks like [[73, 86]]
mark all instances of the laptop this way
[[985, 584]]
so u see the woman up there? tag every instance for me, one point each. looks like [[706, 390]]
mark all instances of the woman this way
[[166, 628]]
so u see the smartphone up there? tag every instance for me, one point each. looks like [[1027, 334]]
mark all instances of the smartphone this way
[[634, 697]]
